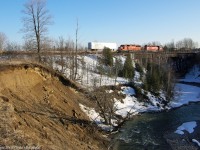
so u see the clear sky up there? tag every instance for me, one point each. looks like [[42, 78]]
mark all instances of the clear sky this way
[[120, 21]]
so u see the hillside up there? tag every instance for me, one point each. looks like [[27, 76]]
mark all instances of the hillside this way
[[37, 111]]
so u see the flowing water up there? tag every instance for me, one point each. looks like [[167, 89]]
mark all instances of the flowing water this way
[[147, 130], [144, 131]]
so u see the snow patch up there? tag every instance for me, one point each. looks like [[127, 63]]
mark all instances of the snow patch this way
[[185, 94], [90, 59], [128, 91], [193, 75], [131, 106], [195, 141], [109, 91], [94, 116], [188, 126]]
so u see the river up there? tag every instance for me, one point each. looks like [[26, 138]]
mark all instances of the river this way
[[148, 129]]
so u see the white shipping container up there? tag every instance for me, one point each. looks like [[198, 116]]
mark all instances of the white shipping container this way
[[101, 46]]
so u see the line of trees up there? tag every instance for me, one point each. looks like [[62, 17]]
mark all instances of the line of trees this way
[[36, 20], [108, 65], [5, 44], [184, 44], [159, 79]]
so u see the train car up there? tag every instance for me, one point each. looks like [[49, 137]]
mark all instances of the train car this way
[[99, 46], [130, 47], [153, 48]]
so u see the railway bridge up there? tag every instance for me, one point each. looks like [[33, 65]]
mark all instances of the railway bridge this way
[[178, 60]]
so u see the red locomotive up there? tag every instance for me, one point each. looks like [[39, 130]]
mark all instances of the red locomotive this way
[[131, 47], [153, 48]]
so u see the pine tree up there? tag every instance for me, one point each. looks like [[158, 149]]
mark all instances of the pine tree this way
[[128, 69], [139, 68], [107, 56], [158, 79], [153, 78]]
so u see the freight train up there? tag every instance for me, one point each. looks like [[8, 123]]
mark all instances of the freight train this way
[[99, 46], [131, 47]]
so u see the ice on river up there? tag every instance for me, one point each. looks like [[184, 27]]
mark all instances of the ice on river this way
[[185, 94], [188, 126]]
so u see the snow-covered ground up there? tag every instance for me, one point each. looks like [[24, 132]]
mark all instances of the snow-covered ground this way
[[95, 79], [88, 77], [94, 116], [130, 104], [193, 75], [127, 107], [185, 94]]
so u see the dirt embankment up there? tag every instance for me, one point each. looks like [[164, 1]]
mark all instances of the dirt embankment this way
[[36, 109]]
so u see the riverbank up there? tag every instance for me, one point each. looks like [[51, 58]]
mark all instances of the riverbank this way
[[126, 103], [156, 130], [148, 130]]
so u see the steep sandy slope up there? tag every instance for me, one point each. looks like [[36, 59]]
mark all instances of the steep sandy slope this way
[[36, 109]]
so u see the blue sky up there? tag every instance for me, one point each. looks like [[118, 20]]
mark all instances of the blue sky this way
[[120, 21]]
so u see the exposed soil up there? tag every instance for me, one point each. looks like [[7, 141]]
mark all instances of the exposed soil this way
[[40, 108]]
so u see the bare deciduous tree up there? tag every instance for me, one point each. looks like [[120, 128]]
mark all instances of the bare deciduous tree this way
[[28, 45], [188, 43], [117, 68], [47, 44], [35, 22], [3, 39], [76, 52], [184, 44], [69, 45], [171, 45], [61, 47], [105, 105], [13, 46]]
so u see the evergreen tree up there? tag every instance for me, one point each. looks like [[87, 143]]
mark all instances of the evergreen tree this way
[[153, 78], [159, 78], [139, 68], [107, 56], [128, 69]]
